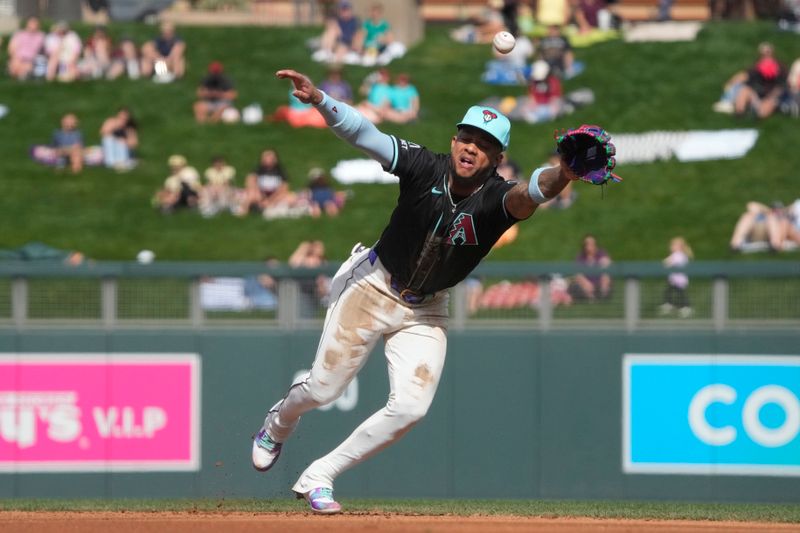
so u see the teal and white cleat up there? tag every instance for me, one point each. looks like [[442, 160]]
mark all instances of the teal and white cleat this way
[[265, 451], [321, 501]]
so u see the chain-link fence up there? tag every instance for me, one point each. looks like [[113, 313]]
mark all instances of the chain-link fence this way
[[533, 295]]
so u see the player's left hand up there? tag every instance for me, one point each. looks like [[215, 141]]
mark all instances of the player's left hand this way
[[304, 89], [588, 152]]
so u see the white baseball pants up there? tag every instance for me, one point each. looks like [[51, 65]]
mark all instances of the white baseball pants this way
[[363, 307]]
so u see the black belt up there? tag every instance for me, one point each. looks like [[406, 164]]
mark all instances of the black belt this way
[[407, 295]]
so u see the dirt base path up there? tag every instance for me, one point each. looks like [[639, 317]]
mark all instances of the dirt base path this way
[[125, 522]]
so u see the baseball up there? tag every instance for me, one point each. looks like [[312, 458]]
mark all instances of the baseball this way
[[503, 42]]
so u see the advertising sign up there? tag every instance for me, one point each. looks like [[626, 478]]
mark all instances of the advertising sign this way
[[99, 412], [711, 414]]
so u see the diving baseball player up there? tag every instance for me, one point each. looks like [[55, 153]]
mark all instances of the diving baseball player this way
[[450, 211]]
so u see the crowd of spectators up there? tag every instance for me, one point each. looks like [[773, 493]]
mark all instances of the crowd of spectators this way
[[542, 63], [346, 39], [119, 138], [61, 55], [266, 190], [392, 100]]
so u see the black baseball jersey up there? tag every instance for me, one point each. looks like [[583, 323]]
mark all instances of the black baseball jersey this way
[[434, 240]]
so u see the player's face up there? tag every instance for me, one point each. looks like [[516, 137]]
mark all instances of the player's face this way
[[474, 155]]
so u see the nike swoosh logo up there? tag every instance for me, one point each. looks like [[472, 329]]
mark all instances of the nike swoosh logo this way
[[436, 191]]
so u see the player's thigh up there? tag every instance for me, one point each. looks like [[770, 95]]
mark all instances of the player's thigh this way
[[353, 324], [416, 356]]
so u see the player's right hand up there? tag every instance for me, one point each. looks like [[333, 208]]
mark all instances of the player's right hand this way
[[304, 89]]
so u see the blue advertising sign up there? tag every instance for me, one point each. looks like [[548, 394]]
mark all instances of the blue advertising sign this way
[[711, 414]]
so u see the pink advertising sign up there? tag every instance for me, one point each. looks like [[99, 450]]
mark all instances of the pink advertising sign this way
[[116, 412]]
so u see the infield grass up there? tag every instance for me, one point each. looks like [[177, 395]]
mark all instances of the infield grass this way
[[745, 512]]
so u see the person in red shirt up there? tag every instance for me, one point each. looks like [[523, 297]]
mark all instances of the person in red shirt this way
[[764, 88], [545, 94]]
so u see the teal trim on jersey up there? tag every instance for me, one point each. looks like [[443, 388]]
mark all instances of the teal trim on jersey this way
[[394, 157], [437, 224]]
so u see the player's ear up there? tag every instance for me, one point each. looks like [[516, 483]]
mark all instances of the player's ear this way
[[453, 141]]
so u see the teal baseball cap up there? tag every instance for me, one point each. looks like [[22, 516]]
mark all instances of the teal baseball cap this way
[[489, 120]]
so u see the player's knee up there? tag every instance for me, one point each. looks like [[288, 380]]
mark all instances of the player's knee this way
[[408, 412], [322, 393]]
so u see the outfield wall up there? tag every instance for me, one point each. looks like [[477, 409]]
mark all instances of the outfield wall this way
[[519, 414]]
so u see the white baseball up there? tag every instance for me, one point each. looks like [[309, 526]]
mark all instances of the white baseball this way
[[503, 42]]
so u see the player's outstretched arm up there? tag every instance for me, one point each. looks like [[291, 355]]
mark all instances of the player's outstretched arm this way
[[346, 122], [545, 183]]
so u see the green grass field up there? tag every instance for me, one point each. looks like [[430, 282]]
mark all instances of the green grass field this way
[[638, 88], [541, 508]]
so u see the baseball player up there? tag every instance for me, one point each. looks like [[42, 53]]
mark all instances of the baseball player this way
[[451, 209]]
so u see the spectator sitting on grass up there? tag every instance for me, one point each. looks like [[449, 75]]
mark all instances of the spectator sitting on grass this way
[[555, 49], [322, 197], [403, 101], [340, 39], [733, 86], [124, 60], [277, 200], [97, 52], [218, 193], [590, 287], [23, 48], [336, 87], [164, 55], [181, 189], [120, 137], [764, 88], [63, 49], [378, 91], [376, 35], [68, 143], [760, 228], [67, 148], [215, 94], [545, 100]]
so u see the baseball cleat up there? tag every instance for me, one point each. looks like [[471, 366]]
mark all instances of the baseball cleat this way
[[321, 501], [265, 451]]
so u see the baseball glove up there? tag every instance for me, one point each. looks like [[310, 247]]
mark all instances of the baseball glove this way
[[589, 153]]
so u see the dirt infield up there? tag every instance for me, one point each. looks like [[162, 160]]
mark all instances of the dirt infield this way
[[126, 522]]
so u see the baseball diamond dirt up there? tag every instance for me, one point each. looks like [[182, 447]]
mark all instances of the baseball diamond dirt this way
[[199, 522]]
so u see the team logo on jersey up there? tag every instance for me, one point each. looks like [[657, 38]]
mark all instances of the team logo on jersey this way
[[488, 116], [463, 231]]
